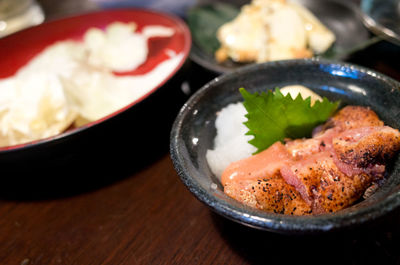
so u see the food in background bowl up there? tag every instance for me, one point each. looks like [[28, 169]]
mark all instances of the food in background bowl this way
[[267, 30], [71, 82], [344, 160]]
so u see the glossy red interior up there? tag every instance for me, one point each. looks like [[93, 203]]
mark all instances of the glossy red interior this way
[[17, 49]]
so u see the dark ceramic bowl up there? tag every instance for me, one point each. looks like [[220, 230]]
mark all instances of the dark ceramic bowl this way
[[193, 133], [342, 17]]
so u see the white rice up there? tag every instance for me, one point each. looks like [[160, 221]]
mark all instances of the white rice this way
[[231, 143]]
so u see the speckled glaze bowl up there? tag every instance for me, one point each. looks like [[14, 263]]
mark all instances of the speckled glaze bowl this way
[[193, 133]]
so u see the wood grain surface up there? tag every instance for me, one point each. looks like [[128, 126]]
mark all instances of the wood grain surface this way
[[151, 218], [138, 211]]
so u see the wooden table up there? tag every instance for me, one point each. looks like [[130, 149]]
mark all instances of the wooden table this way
[[140, 213]]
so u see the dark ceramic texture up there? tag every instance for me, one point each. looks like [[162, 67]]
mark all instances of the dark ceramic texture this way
[[342, 17], [193, 133]]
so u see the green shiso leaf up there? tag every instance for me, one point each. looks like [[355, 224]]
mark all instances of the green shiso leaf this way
[[204, 22], [272, 117]]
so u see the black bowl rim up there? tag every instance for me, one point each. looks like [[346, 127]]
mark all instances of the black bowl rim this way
[[269, 221], [66, 134]]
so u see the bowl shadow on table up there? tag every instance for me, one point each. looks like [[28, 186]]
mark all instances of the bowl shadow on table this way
[[372, 243], [97, 156]]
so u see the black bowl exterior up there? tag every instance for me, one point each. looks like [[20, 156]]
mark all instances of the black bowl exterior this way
[[193, 133]]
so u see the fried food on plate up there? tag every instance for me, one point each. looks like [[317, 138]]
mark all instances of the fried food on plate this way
[[268, 30]]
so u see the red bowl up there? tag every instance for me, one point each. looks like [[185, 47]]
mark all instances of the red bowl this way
[[17, 49]]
